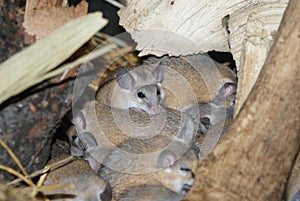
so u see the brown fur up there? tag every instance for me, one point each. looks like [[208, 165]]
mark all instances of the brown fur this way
[[113, 126], [113, 94], [147, 170], [150, 193], [101, 122], [186, 84], [87, 184]]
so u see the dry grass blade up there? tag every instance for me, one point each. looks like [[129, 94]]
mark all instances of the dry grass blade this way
[[46, 169], [85, 58], [118, 52], [17, 174], [33, 189], [55, 187], [13, 156], [14, 172], [61, 163], [9, 193], [51, 187], [25, 68]]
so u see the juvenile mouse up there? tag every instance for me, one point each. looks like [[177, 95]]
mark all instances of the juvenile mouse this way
[[87, 184], [210, 115], [197, 81], [139, 88], [177, 82], [166, 143], [196, 78], [171, 166]]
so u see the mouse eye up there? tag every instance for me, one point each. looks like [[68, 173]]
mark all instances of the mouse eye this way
[[185, 169], [141, 95], [158, 92], [74, 137]]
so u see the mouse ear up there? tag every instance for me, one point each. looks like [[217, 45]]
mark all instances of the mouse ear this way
[[107, 193], [205, 124], [125, 79], [166, 159], [226, 95], [87, 140], [79, 121], [229, 89], [203, 115], [159, 71], [187, 130]]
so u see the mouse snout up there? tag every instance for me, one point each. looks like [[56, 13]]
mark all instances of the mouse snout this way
[[154, 108]]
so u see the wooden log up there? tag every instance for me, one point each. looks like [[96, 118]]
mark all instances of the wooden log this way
[[43, 16], [252, 31], [196, 26], [204, 25], [175, 27], [256, 156]]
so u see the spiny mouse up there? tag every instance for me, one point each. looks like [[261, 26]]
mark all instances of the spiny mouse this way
[[139, 88], [87, 184], [162, 161], [102, 127], [196, 78]]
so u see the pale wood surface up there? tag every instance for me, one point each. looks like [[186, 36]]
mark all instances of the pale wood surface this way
[[175, 27], [256, 156], [252, 31]]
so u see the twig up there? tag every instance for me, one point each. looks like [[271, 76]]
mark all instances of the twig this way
[[119, 52], [115, 3], [46, 169], [56, 186], [115, 40], [51, 187]]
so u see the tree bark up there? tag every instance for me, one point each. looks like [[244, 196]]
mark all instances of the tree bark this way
[[252, 31], [255, 157]]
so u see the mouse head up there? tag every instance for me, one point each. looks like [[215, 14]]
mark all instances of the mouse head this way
[[148, 98], [144, 87], [177, 173], [219, 109], [226, 95], [80, 138], [88, 185]]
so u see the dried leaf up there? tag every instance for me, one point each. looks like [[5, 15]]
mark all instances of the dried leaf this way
[[43, 17]]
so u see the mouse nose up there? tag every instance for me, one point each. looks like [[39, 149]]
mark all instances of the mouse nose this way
[[154, 108], [186, 188]]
